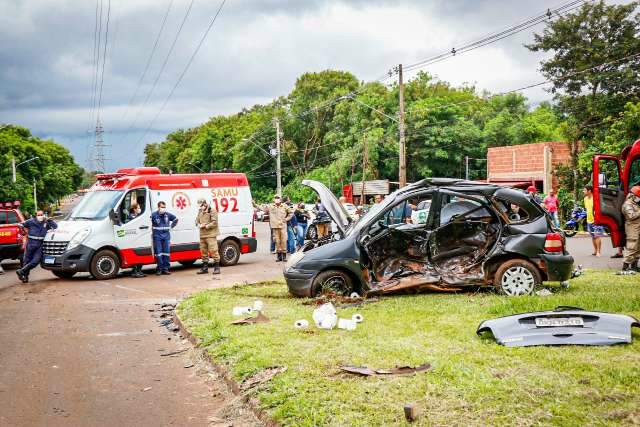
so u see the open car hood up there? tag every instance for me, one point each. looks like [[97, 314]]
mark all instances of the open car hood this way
[[561, 326], [334, 208]]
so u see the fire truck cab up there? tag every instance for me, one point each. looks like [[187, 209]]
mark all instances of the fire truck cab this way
[[613, 176], [100, 237]]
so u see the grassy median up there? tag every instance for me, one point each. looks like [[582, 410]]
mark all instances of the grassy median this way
[[474, 381]]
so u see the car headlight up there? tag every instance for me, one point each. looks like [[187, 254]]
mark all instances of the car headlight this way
[[294, 259], [78, 238]]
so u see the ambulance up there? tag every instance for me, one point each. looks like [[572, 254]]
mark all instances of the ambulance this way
[[100, 237]]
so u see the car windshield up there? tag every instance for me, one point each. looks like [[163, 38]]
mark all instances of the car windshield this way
[[373, 211], [95, 205]]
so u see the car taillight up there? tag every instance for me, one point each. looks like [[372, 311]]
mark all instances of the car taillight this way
[[553, 242], [253, 228]]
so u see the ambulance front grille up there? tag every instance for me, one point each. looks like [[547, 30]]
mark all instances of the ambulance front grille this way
[[54, 248]]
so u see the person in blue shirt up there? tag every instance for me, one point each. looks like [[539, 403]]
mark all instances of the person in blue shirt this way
[[161, 224], [36, 231]]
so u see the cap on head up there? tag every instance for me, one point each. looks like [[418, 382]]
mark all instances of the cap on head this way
[[531, 189], [635, 190]]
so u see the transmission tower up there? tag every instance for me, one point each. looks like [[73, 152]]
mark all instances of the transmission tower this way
[[98, 151]]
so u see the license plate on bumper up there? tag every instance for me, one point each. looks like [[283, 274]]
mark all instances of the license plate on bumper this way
[[545, 322], [49, 260]]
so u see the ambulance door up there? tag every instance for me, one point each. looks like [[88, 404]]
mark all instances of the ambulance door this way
[[133, 234], [608, 196]]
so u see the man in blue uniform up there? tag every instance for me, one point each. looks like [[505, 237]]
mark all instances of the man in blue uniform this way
[[37, 228], [162, 222]]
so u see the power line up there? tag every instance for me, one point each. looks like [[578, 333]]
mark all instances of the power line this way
[[184, 71], [104, 58]]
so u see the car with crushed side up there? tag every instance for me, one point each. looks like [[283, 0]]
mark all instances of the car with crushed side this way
[[466, 234]]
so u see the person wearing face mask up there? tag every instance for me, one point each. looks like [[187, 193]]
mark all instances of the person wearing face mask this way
[[207, 223], [134, 212], [631, 212], [36, 231], [161, 223], [279, 215]]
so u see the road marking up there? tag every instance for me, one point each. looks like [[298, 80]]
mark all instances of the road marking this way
[[130, 289]]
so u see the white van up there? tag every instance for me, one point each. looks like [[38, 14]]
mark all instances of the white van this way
[[99, 237]]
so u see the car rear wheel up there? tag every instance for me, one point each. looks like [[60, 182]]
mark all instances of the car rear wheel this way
[[64, 274], [517, 277], [333, 281], [229, 253], [105, 265]]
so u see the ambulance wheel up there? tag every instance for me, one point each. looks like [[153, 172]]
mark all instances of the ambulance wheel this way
[[105, 265], [64, 274], [229, 253]]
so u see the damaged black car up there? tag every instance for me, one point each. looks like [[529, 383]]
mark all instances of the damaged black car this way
[[437, 234]]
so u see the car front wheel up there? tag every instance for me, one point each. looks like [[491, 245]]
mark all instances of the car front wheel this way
[[333, 281], [105, 265], [517, 277]]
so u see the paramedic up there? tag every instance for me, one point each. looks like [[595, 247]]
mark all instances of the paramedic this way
[[37, 228], [207, 223], [162, 222], [279, 215], [134, 212]]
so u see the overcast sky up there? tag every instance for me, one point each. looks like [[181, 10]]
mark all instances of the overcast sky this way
[[254, 53]]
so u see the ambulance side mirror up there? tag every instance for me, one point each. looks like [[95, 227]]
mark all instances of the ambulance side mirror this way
[[113, 215]]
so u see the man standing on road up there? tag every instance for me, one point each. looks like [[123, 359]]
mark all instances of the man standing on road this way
[[279, 215], [551, 206], [134, 212], [595, 230], [162, 222], [207, 223], [631, 212], [37, 229]]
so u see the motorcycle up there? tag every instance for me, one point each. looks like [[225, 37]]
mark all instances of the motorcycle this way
[[578, 216]]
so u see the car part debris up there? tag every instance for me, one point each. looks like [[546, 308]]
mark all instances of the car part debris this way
[[579, 271], [258, 305], [262, 377], [347, 324], [411, 412], [561, 326], [325, 316], [240, 311], [543, 292], [301, 324], [358, 318], [399, 370], [260, 318]]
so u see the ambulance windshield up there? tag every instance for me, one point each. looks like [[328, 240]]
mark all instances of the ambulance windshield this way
[[95, 205]]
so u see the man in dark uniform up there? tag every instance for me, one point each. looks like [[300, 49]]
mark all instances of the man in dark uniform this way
[[162, 222], [37, 228]]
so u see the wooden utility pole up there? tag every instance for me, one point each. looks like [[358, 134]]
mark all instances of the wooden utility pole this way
[[402, 173], [365, 160], [276, 123]]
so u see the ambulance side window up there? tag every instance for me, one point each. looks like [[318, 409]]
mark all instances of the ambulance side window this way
[[138, 197]]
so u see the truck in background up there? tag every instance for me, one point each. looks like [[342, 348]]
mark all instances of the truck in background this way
[[12, 238]]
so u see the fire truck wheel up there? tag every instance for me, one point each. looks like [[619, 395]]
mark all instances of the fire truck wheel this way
[[229, 253], [63, 274], [105, 265]]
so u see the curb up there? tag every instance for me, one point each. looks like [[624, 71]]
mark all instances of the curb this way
[[250, 402]]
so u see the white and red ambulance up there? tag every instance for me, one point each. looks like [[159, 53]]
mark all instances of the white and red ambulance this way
[[100, 237]]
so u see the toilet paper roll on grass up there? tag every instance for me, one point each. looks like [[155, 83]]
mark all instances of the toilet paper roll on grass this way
[[358, 318], [301, 324], [258, 305], [240, 311], [354, 295], [347, 324]]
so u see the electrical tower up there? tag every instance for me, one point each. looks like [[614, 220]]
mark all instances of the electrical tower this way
[[98, 158]]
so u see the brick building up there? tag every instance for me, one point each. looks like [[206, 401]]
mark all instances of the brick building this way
[[523, 165]]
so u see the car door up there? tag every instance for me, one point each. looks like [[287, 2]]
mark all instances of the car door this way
[[608, 196], [133, 235]]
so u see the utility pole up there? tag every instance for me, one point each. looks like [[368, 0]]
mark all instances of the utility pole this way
[[13, 168], [35, 196], [99, 158], [276, 123], [365, 160], [466, 168], [402, 173]]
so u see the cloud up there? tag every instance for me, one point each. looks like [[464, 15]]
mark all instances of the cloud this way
[[254, 53]]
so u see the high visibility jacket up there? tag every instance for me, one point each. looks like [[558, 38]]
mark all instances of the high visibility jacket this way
[[279, 215], [209, 219], [161, 224]]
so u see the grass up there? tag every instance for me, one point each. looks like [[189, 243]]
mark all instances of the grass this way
[[474, 381]]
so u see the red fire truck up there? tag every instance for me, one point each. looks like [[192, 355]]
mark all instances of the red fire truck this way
[[12, 238]]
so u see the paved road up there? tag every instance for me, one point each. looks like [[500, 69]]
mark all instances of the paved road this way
[[85, 352], [581, 249]]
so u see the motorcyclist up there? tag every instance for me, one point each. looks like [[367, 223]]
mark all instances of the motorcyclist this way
[[631, 212]]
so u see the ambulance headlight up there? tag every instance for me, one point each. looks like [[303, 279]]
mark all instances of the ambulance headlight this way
[[78, 238]]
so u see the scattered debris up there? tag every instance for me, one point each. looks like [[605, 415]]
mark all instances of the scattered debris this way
[[262, 377], [172, 353], [258, 305], [260, 318], [358, 318], [147, 388], [188, 365], [579, 271], [240, 311], [625, 273], [347, 324], [354, 295], [399, 370], [301, 324], [411, 412], [543, 292], [325, 316]]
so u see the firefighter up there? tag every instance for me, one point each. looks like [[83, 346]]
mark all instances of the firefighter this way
[[162, 222], [37, 229], [207, 223], [279, 215], [631, 212]]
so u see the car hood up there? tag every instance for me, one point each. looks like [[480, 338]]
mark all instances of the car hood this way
[[66, 230], [334, 208], [584, 328]]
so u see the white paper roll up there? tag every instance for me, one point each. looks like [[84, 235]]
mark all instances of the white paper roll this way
[[357, 318], [301, 324], [347, 324], [239, 311], [258, 305], [354, 295]]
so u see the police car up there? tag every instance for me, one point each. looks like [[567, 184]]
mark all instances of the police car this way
[[99, 237]]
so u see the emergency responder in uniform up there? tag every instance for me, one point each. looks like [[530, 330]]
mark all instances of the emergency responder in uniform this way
[[631, 212], [37, 229], [161, 223], [279, 215], [207, 223], [134, 212]]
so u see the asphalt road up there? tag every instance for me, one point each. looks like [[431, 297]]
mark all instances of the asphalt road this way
[[87, 352]]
